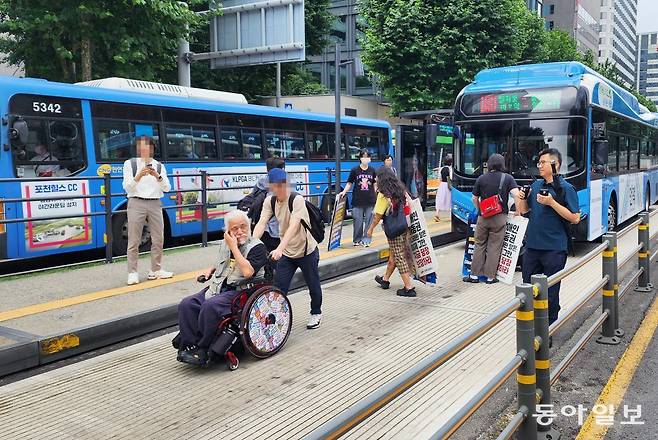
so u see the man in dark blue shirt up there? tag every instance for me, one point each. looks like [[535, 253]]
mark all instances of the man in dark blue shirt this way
[[552, 204]]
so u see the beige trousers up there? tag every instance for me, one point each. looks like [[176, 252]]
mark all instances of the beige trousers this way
[[489, 236], [139, 212]]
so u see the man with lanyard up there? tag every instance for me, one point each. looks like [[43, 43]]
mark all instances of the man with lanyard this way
[[552, 203]]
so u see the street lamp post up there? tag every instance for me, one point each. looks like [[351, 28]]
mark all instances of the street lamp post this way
[[337, 132]]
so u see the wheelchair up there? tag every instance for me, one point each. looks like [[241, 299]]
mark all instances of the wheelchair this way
[[259, 323]]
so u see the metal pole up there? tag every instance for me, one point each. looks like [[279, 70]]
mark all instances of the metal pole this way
[[609, 264], [543, 360], [109, 238], [329, 179], [526, 375], [184, 75], [337, 128], [644, 283], [204, 208], [278, 84]]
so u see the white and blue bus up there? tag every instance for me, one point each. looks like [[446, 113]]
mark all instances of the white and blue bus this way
[[607, 140], [54, 135]]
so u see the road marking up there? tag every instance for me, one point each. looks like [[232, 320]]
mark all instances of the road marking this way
[[378, 239], [614, 391]]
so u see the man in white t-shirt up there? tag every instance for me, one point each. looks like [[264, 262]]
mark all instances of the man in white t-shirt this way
[[145, 181]]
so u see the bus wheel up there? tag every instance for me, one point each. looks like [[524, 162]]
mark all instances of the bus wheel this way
[[612, 216], [120, 235]]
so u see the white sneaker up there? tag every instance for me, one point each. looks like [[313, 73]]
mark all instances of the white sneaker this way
[[314, 321], [133, 278], [160, 274]]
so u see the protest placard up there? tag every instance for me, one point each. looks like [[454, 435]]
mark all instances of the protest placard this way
[[337, 223], [421, 241], [514, 234]]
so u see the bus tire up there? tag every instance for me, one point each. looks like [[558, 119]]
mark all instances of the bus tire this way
[[612, 213], [120, 235]]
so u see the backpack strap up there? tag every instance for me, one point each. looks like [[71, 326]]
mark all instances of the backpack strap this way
[[273, 203], [133, 165], [307, 228], [500, 185]]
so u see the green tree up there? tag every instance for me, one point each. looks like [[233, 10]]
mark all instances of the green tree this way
[[73, 40], [560, 46], [424, 52]]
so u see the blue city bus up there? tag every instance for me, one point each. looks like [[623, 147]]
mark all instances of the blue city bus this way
[[52, 131], [607, 139]]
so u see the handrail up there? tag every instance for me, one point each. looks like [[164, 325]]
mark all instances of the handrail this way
[[559, 276], [513, 425], [630, 256], [566, 316], [630, 283], [629, 228], [482, 396], [568, 359], [357, 413]]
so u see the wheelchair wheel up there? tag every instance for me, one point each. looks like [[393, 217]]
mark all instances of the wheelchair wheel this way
[[266, 322]]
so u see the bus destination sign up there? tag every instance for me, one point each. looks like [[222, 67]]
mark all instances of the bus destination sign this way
[[522, 101]]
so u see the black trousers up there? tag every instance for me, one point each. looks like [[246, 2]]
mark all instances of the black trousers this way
[[537, 262]]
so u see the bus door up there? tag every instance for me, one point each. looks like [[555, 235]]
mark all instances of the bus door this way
[[439, 146], [411, 153]]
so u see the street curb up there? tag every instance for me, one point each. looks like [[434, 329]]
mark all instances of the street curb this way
[[45, 349]]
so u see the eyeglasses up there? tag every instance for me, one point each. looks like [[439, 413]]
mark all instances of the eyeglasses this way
[[544, 162]]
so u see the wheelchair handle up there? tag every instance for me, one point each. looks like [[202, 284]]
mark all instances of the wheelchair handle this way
[[201, 279]]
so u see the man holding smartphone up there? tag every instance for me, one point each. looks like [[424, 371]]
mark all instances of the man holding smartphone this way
[[145, 182], [550, 201]]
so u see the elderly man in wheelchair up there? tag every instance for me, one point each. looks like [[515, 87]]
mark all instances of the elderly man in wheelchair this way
[[238, 301]]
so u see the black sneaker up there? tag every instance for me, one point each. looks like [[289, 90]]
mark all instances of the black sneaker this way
[[492, 281], [470, 280], [195, 356], [408, 293], [383, 284]]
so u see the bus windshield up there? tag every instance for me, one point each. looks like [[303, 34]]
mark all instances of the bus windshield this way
[[520, 142]]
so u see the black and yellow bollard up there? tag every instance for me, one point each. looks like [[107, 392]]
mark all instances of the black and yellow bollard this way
[[546, 431], [610, 333], [644, 281], [525, 376]]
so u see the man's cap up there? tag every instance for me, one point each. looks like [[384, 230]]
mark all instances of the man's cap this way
[[277, 175]]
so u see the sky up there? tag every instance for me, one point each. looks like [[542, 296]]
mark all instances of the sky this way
[[647, 16]]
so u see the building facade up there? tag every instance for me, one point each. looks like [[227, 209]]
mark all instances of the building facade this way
[[647, 66], [579, 18], [618, 38]]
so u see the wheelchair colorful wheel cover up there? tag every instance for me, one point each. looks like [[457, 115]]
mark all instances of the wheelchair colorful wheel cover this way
[[267, 320]]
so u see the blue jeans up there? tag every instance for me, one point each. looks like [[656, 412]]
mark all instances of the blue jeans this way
[[286, 268], [362, 216], [537, 262]]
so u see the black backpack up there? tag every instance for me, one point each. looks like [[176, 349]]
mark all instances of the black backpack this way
[[316, 228], [252, 203]]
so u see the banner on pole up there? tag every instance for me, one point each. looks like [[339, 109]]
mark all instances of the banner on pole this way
[[337, 223], [421, 241], [514, 233]]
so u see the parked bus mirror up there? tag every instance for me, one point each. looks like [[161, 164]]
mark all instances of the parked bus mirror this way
[[18, 133], [601, 152]]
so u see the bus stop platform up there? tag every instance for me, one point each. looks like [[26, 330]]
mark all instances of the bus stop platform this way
[[55, 314], [367, 337]]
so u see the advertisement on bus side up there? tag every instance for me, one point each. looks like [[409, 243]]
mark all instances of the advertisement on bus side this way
[[225, 187], [631, 196], [59, 233]]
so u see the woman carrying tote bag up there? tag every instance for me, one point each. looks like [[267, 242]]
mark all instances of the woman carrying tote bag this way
[[392, 207]]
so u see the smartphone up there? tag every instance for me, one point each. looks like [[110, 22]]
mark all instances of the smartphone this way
[[150, 165], [543, 192]]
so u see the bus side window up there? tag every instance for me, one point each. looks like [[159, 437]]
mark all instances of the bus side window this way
[[115, 139], [54, 148]]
